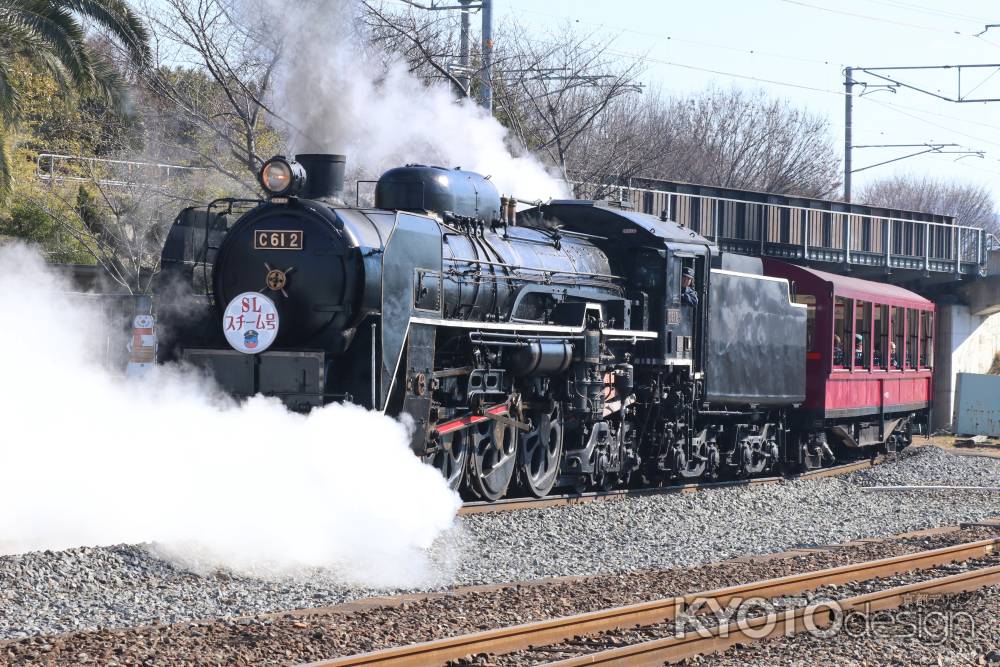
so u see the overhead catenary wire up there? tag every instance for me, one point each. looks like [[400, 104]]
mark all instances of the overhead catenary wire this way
[[744, 50], [899, 108], [898, 4], [937, 125], [684, 40], [967, 165], [879, 19], [748, 77]]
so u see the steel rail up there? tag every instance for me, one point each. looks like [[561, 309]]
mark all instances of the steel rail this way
[[793, 621], [511, 504], [551, 631]]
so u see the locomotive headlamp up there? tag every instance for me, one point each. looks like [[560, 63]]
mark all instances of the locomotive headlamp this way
[[280, 176]]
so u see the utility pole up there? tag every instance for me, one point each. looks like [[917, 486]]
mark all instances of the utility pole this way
[[486, 74], [486, 71], [463, 48], [848, 121]]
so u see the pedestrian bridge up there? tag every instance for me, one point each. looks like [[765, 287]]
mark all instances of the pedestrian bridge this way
[[903, 247]]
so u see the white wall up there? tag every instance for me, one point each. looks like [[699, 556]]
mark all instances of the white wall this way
[[966, 343]]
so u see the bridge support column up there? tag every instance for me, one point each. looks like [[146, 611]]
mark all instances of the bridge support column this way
[[965, 343]]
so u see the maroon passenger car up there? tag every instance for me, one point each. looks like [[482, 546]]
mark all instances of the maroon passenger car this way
[[869, 357]]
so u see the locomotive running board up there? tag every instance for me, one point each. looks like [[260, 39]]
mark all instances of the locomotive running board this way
[[525, 327]]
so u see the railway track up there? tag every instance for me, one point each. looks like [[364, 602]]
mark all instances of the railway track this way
[[539, 635], [510, 504]]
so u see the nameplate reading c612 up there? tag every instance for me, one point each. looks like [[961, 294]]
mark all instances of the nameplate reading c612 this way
[[270, 239]]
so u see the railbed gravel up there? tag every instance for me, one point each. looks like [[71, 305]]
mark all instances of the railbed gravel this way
[[288, 639], [123, 586]]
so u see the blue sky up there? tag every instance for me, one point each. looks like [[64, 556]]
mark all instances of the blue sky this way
[[797, 49]]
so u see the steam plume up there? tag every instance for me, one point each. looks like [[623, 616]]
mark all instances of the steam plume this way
[[339, 98], [89, 459]]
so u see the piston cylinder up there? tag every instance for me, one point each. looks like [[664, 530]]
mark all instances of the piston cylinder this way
[[542, 357]]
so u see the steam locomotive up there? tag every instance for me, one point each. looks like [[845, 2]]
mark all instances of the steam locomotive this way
[[533, 349]]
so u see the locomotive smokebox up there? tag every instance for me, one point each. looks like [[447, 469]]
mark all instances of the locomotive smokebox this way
[[324, 175]]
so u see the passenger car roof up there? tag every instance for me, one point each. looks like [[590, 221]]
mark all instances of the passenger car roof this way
[[848, 286]]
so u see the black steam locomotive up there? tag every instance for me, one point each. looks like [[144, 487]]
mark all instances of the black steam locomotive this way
[[530, 349]]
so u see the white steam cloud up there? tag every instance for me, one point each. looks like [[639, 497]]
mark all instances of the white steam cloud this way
[[89, 458], [339, 98]]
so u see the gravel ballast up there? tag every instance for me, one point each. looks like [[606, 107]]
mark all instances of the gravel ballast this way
[[56, 592], [669, 530], [307, 636]]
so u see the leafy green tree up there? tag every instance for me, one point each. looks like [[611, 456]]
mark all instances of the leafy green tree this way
[[28, 222], [50, 34]]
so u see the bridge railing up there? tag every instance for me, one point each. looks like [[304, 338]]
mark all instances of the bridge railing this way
[[55, 167], [805, 233]]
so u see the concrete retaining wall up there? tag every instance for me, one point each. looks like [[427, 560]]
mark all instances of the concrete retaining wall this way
[[965, 343]]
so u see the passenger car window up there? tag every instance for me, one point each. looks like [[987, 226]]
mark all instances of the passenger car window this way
[[842, 327], [810, 302], [912, 337], [882, 342], [898, 337], [863, 335], [926, 339]]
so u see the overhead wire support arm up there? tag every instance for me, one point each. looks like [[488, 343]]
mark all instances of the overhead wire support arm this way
[[959, 98], [893, 82], [929, 148]]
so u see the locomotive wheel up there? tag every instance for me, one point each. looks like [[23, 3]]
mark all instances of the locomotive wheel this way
[[492, 458], [451, 458], [712, 466], [540, 454]]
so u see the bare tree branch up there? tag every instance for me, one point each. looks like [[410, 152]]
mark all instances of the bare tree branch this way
[[972, 205]]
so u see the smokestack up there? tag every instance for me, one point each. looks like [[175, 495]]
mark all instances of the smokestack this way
[[324, 175]]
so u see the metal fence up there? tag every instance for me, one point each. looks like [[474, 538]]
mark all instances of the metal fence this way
[[54, 167], [858, 236]]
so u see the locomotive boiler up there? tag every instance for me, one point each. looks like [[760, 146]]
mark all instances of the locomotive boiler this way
[[528, 349]]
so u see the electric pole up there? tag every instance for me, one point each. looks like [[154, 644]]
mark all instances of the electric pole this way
[[848, 121], [486, 71], [463, 48], [486, 74]]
